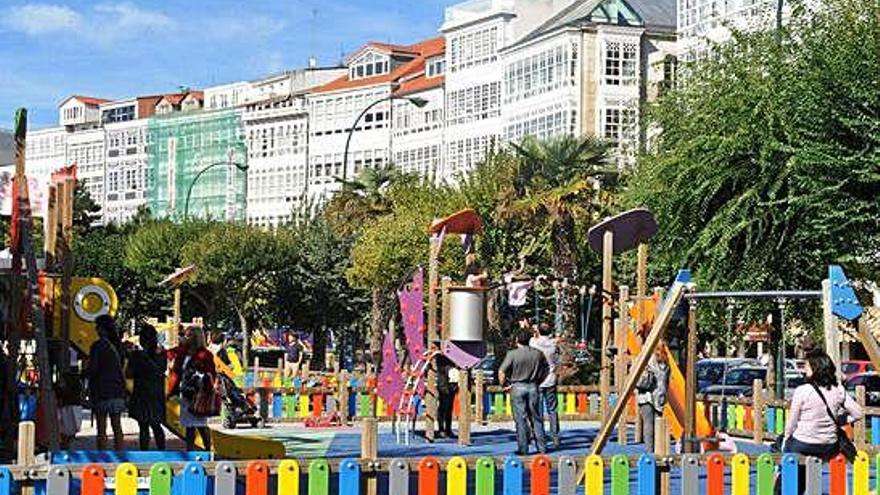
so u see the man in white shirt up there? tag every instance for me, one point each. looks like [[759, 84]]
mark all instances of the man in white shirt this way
[[546, 343]]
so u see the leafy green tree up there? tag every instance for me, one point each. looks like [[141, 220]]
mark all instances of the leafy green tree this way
[[239, 264], [311, 289], [767, 167], [361, 199]]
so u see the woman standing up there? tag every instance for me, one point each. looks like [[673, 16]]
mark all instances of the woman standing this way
[[193, 377], [107, 382], [147, 404], [651, 396]]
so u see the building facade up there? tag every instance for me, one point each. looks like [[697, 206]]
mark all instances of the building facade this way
[[374, 75]]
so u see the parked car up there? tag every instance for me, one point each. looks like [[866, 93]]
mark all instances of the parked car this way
[[711, 371], [871, 382], [852, 368], [738, 382]]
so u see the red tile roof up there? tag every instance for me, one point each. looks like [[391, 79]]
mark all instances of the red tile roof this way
[[420, 83], [90, 100], [422, 50]]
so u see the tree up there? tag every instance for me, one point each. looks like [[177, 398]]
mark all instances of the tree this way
[[361, 199], [391, 247], [85, 210], [767, 168], [554, 183], [239, 263], [311, 290]]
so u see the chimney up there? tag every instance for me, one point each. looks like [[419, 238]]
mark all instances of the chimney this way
[[313, 62]]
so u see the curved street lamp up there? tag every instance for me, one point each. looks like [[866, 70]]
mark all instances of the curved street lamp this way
[[415, 100], [241, 166]]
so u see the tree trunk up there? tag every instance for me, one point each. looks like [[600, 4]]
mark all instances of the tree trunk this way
[[245, 338], [563, 260], [319, 349], [377, 326]]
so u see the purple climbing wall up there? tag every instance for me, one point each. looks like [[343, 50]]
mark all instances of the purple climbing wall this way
[[391, 378], [412, 313]]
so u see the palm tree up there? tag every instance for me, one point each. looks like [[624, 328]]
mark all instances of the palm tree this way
[[555, 184], [360, 200]]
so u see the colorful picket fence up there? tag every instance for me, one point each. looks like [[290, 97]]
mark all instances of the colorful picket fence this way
[[541, 475]]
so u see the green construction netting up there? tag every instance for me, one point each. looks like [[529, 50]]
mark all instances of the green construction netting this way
[[181, 145]]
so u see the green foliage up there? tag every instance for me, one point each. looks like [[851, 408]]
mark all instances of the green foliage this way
[[392, 246], [767, 168]]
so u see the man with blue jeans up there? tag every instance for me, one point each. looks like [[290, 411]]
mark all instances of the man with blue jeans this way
[[524, 368], [546, 343]]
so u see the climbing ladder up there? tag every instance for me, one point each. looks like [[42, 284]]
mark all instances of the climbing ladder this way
[[407, 409]]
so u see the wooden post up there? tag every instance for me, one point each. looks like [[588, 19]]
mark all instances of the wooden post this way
[[370, 449], [758, 411], [657, 330], [622, 359], [172, 333], [607, 303], [50, 224], [690, 383], [859, 428], [433, 336], [342, 387], [26, 449], [479, 392], [445, 315], [464, 410], [829, 321], [642, 271], [868, 341], [661, 449]]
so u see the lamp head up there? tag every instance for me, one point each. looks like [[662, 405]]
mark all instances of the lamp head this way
[[419, 102]]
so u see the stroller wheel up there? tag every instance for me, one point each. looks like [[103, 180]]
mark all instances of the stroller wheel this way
[[229, 423]]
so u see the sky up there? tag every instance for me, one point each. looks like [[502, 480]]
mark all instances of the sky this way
[[116, 49]]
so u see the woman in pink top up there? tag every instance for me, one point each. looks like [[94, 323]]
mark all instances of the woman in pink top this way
[[811, 431]]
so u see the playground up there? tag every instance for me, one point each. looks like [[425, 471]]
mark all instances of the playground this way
[[376, 431]]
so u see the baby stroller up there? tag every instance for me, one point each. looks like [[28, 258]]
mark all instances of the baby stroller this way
[[238, 406]]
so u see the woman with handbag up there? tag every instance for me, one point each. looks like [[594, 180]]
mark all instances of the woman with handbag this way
[[819, 409], [194, 378]]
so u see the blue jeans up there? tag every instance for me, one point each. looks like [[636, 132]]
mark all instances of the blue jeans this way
[[552, 409], [526, 414]]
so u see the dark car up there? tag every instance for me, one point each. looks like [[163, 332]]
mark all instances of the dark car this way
[[711, 371], [871, 382], [738, 382]]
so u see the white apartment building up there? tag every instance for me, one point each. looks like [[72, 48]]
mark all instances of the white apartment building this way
[[418, 132], [702, 23], [276, 129], [374, 75], [588, 70], [476, 32]]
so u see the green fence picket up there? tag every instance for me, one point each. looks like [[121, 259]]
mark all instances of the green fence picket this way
[[619, 475], [766, 475], [160, 479], [485, 476], [319, 477]]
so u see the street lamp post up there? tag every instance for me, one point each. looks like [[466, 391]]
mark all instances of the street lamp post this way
[[241, 166], [415, 100]]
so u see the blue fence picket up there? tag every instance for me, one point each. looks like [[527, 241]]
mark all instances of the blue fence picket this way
[[875, 430], [513, 476], [790, 474], [647, 475], [195, 481], [349, 477]]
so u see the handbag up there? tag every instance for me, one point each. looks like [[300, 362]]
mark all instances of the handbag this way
[[844, 444], [207, 400]]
